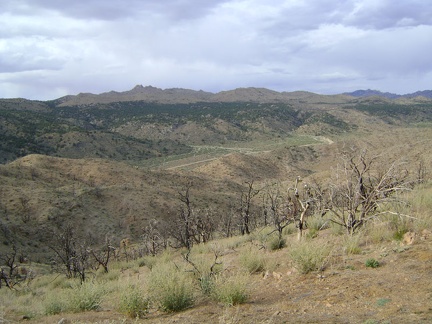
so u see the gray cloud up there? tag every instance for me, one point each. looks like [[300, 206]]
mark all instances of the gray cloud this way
[[50, 48]]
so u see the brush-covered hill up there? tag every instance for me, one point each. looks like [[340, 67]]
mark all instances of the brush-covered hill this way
[[146, 122], [99, 198]]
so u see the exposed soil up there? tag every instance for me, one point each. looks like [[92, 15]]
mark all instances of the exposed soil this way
[[398, 291]]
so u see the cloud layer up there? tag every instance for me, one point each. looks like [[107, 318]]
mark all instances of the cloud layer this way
[[50, 48]]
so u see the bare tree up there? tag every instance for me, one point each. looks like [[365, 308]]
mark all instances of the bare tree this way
[[9, 269], [277, 209], [302, 209], [181, 229], [358, 191], [227, 224], [246, 197], [153, 238], [71, 254], [205, 225], [103, 255]]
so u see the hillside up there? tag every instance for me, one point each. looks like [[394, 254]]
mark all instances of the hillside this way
[[136, 177], [147, 123]]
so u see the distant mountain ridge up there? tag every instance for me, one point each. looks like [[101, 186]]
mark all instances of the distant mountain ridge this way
[[251, 94], [389, 95]]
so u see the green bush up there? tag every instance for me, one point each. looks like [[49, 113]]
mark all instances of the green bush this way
[[87, 296], [399, 234], [54, 305], [309, 256], [276, 244], [133, 303], [372, 263], [352, 244], [231, 290], [171, 288], [253, 261], [315, 224]]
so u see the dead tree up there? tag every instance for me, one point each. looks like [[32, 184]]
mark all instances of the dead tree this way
[[181, 229], [277, 209], [205, 225], [245, 206], [358, 192], [227, 223], [153, 239], [302, 208], [11, 273], [64, 249], [71, 255], [103, 255]]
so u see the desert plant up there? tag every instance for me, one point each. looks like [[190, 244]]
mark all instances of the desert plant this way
[[309, 256], [380, 232], [351, 244], [54, 304], [133, 303], [171, 288], [372, 263], [86, 296], [231, 289], [204, 269], [252, 261], [359, 191], [276, 243], [316, 224]]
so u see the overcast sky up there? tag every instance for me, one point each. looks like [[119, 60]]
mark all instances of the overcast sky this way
[[51, 48]]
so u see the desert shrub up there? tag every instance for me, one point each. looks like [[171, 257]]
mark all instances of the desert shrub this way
[[204, 268], [170, 287], [206, 283], [316, 223], [290, 229], [252, 261], [351, 244], [231, 289], [148, 260], [399, 234], [399, 226], [275, 243], [420, 201], [235, 241], [55, 304], [61, 282], [380, 231], [141, 262], [133, 303], [309, 256], [201, 248], [372, 263], [87, 296], [110, 276], [336, 229]]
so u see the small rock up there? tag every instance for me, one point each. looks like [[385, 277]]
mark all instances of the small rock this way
[[425, 234], [408, 238], [266, 275], [277, 275]]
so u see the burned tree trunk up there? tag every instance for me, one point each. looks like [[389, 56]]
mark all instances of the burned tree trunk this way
[[245, 207]]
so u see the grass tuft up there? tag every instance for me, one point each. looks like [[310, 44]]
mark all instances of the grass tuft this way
[[253, 261], [309, 256], [231, 289], [171, 288], [133, 303]]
